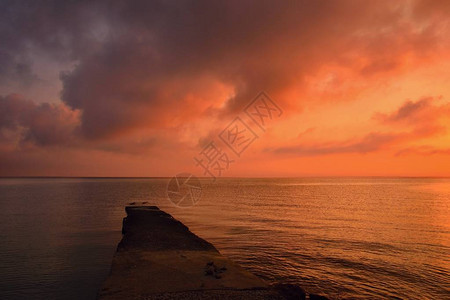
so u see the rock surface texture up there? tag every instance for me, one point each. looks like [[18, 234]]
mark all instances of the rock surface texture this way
[[159, 258]]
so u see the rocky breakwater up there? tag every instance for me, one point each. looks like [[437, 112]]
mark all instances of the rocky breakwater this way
[[159, 258]]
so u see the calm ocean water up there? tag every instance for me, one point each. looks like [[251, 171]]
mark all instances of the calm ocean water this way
[[351, 238]]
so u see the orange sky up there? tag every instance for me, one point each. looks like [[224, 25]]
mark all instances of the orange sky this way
[[114, 89]]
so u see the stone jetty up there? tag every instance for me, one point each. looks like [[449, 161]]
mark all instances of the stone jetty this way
[[160, 258]]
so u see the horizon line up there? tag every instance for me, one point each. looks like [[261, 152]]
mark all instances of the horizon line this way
[[222, 177]]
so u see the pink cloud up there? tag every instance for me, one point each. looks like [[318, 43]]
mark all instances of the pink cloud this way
[[424, 110], [423, 114]]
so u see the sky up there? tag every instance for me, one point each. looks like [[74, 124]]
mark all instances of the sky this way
[[225, 88]]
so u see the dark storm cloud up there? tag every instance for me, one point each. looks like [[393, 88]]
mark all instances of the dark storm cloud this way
[[148, 78], [62, 30], [137, 62], [155, 51], [41, 124]]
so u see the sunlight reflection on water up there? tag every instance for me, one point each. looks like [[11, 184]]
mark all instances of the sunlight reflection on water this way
[[352, 237]]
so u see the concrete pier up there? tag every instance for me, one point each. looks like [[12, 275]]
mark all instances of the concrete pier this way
[[160, 258]]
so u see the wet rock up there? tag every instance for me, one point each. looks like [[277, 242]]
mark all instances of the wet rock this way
[[212, 270], [148, 228], [290, 291], [317, 297]]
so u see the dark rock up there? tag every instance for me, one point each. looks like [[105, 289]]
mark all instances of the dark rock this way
[[317, 297], [148, 228], [212, 270], [290, 291]]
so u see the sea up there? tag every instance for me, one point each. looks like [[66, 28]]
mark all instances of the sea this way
[[345, 238]]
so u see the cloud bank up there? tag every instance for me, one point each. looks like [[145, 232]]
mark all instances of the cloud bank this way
[[147, 76]]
